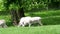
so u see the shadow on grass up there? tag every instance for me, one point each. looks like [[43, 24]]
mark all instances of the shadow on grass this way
[[47, 21], [43, 13], [34, 24], [9, 24], [51, 21]]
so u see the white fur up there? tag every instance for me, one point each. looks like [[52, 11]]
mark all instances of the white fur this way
[[29, 20], [36, 20], [3, 23], [24, 21]]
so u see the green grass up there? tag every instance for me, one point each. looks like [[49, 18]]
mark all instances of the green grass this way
[[43, 13], [51, 17], [50, 29], [51, 21]]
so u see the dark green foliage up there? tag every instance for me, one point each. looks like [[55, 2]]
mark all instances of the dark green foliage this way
[[30, 4]]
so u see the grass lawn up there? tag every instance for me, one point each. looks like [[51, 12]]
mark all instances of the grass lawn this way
[[51, 23], [50, 17], [50, 29]]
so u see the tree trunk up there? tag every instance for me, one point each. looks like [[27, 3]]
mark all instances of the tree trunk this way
[[16, 15], [21, 12]]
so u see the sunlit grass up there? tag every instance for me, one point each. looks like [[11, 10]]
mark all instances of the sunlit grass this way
[[50, 29]]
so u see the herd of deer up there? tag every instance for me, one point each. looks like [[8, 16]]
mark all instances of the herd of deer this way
[[23, 21]]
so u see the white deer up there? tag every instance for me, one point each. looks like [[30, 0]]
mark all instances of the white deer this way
[[29, 20], [3, 23]]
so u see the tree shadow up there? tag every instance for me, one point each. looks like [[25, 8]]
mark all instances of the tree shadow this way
[[9, 24], [34, 24], [49, 20]]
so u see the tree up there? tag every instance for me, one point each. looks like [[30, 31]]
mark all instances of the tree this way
[[18, 7]]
